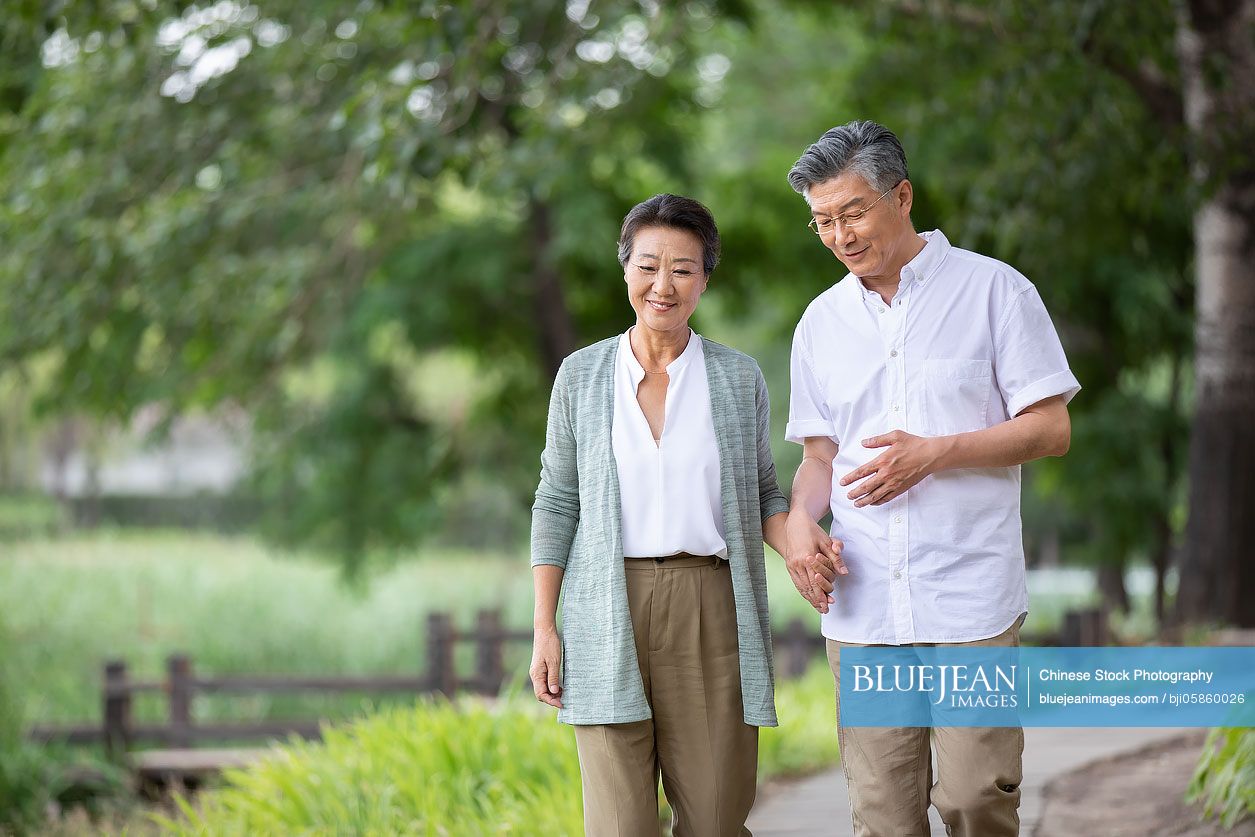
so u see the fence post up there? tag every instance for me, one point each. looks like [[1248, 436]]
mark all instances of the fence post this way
[[117, 710], [490, 638], [441, 677], [179, 685], [1086, 628]]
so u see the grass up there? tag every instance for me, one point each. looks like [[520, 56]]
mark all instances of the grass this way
[[236, 607], [1224, 780]]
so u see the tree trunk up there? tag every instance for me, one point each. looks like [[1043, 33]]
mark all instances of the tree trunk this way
[[557, 333], [1115, 595], [1161, 555], [1217, 54]]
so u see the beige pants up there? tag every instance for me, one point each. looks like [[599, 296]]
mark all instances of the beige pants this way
[[684, 620], [889, 770]]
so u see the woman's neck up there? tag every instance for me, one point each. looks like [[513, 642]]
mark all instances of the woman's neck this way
[[656, 350]]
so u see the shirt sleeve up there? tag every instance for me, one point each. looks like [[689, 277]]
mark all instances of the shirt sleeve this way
[[1029, 363], [808, 412]]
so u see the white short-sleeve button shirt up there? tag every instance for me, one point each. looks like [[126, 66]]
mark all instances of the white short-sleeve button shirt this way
[[965, 344]]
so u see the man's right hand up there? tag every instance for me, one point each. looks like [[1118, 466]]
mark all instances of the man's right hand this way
[[813, 559]]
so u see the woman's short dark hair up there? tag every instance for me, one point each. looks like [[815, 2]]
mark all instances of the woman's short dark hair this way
[[677, 213]]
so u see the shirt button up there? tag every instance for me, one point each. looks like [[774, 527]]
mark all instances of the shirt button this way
[[898, 519], [881, 310], [897, 574], [896, 408], [893, 353]]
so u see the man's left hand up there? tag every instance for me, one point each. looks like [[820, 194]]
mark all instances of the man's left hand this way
[[907, 461]]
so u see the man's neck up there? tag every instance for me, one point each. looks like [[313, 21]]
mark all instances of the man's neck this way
[[886, 286]]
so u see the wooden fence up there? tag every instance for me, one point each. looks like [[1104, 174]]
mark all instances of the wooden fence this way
[[797, 646]]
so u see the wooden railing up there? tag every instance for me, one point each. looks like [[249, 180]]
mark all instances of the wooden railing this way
[[118, 730], [797, 646]]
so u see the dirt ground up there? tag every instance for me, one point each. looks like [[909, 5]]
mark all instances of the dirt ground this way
[[1138, 794]]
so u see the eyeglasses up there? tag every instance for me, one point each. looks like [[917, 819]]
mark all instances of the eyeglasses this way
[[821, 225]]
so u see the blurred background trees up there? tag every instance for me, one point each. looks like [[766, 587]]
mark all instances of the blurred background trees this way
[[374, 229]]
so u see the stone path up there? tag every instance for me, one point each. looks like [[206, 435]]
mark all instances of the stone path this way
[[819, 805]]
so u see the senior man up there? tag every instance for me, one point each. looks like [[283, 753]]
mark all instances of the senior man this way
[[920, 382]]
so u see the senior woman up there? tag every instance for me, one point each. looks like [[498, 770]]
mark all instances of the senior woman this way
[[656, 490]]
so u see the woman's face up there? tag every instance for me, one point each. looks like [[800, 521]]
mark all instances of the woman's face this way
[[665, 278]]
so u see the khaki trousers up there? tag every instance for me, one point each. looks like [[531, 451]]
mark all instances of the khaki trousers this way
[[684, 619], [889, 770]]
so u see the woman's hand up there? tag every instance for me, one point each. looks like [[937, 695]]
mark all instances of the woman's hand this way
[[812, 558], [546, 662]]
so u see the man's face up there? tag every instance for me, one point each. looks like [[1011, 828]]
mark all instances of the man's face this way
[[875, 246]]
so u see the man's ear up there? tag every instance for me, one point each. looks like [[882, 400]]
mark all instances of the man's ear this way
[[906, 197]]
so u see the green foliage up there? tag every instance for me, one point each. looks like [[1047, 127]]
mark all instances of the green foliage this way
[[464, 768], [806, 739], [28, 516], [432, 769], [25, 789], [347, 200], [201, 203], [1224, 780]]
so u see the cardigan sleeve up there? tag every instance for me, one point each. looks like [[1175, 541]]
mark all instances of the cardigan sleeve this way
[[556, 511], [771, 499]]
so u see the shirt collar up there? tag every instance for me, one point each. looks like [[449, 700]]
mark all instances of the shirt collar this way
[[919, 269], [926, 261], [626, 355]]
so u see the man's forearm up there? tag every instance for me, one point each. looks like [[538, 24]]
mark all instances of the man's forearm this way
[[812, 488], [1030, 435]]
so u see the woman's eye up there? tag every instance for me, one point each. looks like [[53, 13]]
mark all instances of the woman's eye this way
[[646, 268]]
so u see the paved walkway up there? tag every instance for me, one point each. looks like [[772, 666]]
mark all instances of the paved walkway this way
[[819, 805]]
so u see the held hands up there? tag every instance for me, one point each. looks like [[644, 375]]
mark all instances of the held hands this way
[[813, 559], [907, 461], [546, 660]]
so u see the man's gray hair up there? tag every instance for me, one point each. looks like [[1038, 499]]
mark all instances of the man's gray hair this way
[[863, 147]]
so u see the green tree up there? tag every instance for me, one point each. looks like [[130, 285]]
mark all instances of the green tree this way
[[291, 207]]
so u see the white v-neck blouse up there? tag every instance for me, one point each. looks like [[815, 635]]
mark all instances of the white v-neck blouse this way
[[669, 490]]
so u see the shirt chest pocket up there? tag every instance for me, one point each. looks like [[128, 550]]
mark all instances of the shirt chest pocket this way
[[956, 395]]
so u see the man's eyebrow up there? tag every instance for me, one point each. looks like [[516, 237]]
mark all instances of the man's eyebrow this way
[[848, 204]]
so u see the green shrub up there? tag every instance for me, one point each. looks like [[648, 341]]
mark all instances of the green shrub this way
[[1224, 780], [436, 768], [471, 767], [806, 739]]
